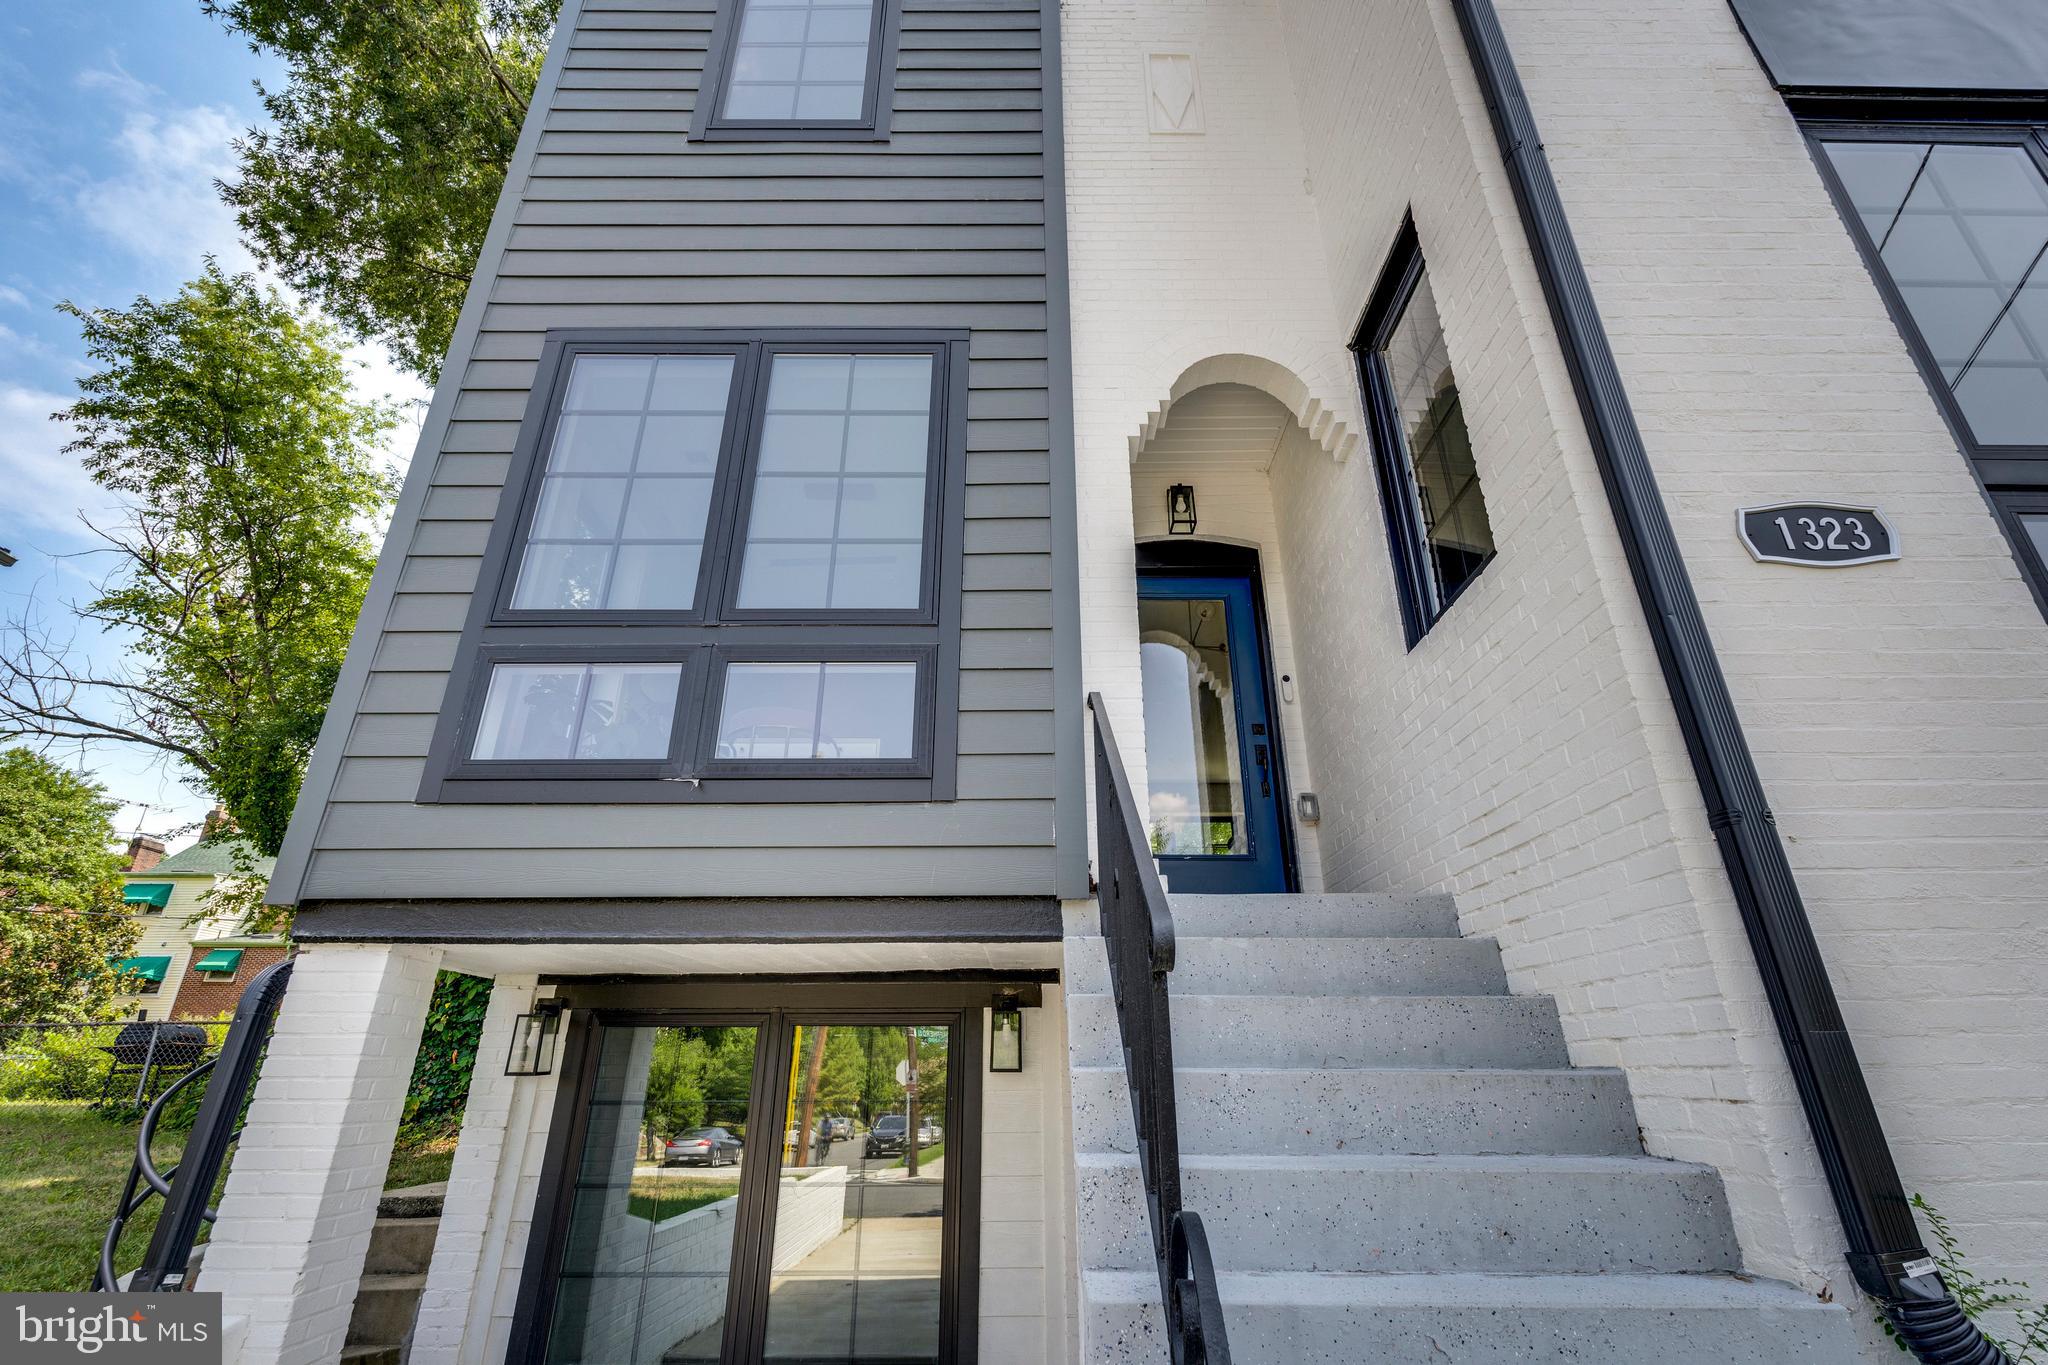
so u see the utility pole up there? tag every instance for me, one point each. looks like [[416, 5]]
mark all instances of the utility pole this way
[[910, 1103], [802, 1154]]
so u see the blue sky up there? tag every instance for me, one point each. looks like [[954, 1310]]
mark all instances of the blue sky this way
[[115, 119]]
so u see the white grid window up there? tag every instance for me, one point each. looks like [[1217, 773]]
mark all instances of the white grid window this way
[[800, 63], [838, 511]]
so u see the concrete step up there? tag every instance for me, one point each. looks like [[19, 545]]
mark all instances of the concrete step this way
[[401, 1246], [1341, 916], [414, 1201], [1338, 1319], [1525, 1214], [1372, 1110], [370, 1355], [385, 1305], [1311, 966], [1333, 1031]]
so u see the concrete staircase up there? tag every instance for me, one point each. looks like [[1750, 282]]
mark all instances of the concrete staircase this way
[[1397, 1162], [394, 1275]]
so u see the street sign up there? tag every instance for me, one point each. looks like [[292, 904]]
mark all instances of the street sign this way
[[1821, 535], [903, 1073]]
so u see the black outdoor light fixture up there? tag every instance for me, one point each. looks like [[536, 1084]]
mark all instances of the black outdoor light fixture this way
[[1180, 509], [534, 1037], [1006, 1034]]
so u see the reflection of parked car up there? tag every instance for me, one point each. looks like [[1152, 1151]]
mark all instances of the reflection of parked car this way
[[702, 1147], [842, 1128], [886, 1137]]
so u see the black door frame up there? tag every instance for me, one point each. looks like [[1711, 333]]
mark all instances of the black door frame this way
[[775, 1007], [1189, 557]]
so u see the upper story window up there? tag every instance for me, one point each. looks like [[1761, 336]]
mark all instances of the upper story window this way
[[1953, 219], [799, 68], [720, 563], [1429, 483]]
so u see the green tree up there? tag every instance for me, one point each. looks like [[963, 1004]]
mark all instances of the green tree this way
[[675, 1082], [224, 420], [61, 918], [373, 187]]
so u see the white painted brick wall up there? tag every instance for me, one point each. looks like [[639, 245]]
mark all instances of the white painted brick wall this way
[[1523, 755], [465, 1250], [302, 1193], [1899, 712], [1027, 1263]]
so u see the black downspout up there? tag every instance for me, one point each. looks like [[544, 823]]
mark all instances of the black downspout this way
[[1885, 1252]]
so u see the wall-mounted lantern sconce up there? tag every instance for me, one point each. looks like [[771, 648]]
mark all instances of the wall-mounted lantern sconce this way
[[533, 1040], [1180, 509], [1006, 1035]]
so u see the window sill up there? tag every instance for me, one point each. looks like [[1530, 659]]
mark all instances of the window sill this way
[[807, 789]]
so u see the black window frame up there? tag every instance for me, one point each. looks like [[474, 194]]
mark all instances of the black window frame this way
[[1407, 538], [712, 632], [709, 124], [2005, 474]]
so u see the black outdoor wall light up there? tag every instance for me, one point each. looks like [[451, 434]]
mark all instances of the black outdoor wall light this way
[[534, 1037], [1180, 509], [1006, 1035]]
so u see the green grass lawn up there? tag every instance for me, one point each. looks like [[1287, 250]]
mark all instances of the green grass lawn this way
[[421, 1158], [657, 1197], [61, 1169], [924, 1155]]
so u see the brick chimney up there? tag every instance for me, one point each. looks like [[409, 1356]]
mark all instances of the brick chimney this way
[[144, 852], [217, 823]]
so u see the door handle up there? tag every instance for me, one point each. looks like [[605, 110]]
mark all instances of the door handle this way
[[1265, 779]]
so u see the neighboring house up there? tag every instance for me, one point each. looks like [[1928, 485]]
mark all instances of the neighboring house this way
[[846, 390], [192, 960]]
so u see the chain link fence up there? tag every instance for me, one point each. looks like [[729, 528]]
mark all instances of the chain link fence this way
[[121, 1062]]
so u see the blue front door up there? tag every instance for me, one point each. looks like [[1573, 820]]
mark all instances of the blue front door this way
[[1211, 749]]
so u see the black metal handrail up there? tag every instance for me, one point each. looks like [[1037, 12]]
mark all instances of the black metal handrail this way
[[1137, 929], [187, 1187]]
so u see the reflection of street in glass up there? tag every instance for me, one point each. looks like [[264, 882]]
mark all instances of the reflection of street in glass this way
[[859, 1190]]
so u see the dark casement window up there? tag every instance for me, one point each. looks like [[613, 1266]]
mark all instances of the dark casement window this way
[[1953, 220], [720, 563], [799, 69], [1436, 515]]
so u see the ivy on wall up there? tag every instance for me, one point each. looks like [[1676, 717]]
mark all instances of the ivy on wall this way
[[448, 1043]]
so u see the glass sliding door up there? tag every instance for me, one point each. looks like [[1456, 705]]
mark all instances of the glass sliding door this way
[[647, 1261], [860, 1200], [774, 1190]]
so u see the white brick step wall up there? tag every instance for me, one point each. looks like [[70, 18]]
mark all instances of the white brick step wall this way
[[1360, 916], [1306, 1319], [1330, 1031], [1317, 966], [1391, 1110], [1526, 1214], [1396, 1161]]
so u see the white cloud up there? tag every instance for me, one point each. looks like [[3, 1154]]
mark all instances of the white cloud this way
[[160, 202], [45, 486], [114, 80], [13, 297]]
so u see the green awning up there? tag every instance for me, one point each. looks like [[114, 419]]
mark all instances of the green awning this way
[[219, 960], [148, 968], [148, 893]]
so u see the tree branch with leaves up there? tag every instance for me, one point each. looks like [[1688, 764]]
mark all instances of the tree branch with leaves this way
[[224, 422], [373, 187]]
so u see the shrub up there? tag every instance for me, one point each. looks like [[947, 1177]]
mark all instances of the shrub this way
[[54, 1064], [1978, 1297]]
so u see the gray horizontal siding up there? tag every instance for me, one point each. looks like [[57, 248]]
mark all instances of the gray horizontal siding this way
[[623, 222]]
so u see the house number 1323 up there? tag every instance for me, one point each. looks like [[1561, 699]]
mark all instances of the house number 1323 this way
[[1825, 535]]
